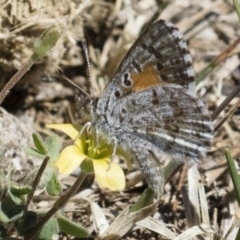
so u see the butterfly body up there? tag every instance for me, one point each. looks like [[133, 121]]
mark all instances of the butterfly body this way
[[150, 108]]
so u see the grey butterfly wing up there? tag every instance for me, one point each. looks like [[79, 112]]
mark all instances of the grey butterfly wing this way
[[168, 117], [159, 56], [159, 122]]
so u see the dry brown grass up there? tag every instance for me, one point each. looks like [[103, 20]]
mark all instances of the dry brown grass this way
[[110, 27]]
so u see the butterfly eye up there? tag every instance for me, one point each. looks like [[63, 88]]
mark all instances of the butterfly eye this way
[[127, 82]]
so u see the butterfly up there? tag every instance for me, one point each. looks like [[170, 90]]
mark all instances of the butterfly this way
[[150, 109]]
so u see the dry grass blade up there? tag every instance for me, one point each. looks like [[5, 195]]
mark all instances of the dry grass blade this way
[[223, 56], [218, 169], [223, 105], [227, 116], [156, 226], [99, 219], [195, 231], [125, 221], [232, 230], [195, 200]]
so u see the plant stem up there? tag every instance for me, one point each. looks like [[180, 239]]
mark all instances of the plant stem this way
[[37, 179], [26, 66], [56, 207]]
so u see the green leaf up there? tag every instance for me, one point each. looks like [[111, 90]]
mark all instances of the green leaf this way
[[10, 214], [28, 180], [53, 186], [20, 190], [24, 224], [71, 228], [145, 200], [15, 199], [39, 144], [237, 8], [233, 174], [33, 152], [53, 144], [4, 209], [16, 212], [49, 229], [3, 232], [46, 41]]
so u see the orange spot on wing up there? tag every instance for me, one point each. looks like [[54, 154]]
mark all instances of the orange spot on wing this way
[[145, 79]]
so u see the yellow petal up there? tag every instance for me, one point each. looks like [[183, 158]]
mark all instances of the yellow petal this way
[[81, 144], [112, 178], [69, 159], [72, 130]]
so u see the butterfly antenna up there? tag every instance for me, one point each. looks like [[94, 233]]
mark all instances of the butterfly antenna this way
[[85, 50], [77, 86]]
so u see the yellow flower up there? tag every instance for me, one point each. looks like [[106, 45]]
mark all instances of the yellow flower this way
[[83, 153]]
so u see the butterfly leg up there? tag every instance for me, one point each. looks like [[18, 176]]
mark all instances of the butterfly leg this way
[[115, 144], [86, 125]]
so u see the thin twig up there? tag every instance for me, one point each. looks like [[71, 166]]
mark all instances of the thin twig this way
[[227, 116], [56, 207], [226, 101], [37, 179], [26, 66]]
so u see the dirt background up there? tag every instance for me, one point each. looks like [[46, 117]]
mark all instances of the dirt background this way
[[110, 28]]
